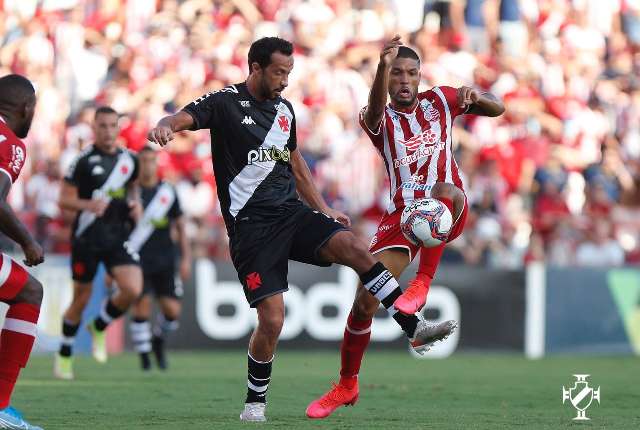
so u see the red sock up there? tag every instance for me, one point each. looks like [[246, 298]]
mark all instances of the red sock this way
[[16, 341], [355, 341]]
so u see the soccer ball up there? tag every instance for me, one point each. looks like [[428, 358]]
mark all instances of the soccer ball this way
[[426, 222]]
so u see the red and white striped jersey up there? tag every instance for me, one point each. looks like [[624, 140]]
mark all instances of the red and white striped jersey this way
[[416, 146]]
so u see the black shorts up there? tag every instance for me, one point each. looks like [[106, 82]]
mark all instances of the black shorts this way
[[162, 283], [261, 250], [86, 255]]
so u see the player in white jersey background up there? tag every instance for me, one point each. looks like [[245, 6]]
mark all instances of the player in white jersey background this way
[[413, 135]]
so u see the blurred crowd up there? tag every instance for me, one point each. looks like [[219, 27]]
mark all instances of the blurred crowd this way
[[555, 179]]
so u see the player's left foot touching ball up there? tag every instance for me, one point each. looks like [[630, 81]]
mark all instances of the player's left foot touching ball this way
[[12, 419]]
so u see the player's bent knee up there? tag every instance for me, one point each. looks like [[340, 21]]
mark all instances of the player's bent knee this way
[[31, 293], [271, 324]]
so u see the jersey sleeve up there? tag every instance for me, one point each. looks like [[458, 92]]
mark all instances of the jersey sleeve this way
[[376, 136], [451, 95], [206, 110], [12, 157]]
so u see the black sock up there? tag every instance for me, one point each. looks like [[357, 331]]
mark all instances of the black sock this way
[[383, 286], [69, 331], [108, 313], [165, 326], [258, 379]]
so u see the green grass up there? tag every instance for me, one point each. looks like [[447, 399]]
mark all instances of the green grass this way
[[206, 391]]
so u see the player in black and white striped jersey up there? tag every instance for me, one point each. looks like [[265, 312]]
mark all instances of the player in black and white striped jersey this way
[[99, 189], [261, 177], [161, 219]]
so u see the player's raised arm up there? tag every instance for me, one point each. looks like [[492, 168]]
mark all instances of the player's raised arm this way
[[308, 191], [479, 102], [378, 94], [12, 227], [163, 132]]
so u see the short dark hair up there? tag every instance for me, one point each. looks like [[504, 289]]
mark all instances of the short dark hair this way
[[15, 89], [261, 50], [105, 110], [406, 52]]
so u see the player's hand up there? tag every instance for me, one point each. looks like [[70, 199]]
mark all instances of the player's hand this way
[[33, 253], [98, 206], [185, 269], [160, 135], [467, 96], [390, 50], [339, 216], [135, 210]]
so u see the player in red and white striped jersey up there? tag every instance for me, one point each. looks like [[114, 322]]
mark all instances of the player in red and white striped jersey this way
[[18, 289], [413, 135]]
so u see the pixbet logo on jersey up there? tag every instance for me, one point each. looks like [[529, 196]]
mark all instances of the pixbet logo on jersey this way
[[268, 154]]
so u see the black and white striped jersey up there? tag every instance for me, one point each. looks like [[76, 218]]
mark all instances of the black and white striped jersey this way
[[251, 144], [97, 174]]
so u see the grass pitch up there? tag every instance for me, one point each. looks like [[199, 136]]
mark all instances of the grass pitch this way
[[206, 391]]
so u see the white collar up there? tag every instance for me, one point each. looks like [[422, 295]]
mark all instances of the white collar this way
[[2, 119]]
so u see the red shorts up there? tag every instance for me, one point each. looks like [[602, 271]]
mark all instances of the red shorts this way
[[12, 278], [390, 236]]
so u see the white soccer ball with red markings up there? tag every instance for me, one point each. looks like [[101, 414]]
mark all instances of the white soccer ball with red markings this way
[[426, 222]]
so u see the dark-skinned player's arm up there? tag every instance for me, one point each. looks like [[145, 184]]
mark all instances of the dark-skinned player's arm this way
[[379, 89], [308, 191], [14, 229], [479, 102], [163, 132], [185, 248]]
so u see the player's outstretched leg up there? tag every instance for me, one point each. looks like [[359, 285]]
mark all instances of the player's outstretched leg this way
[[378, 285], [17, 337], [260, 356]]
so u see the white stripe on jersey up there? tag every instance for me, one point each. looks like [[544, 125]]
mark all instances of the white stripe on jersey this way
[[393, 186], [243, 186], [448, 175], [157, 208], [401, 150]]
